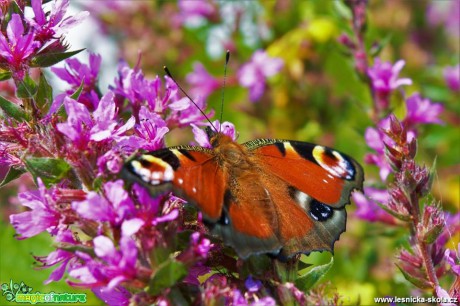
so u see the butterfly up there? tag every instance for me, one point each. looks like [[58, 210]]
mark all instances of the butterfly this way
[[280, 197]]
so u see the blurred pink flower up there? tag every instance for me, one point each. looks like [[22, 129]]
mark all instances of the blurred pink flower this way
[[452, 77], [253, 74], [375, 140], [201, 82], [422, 111], [441, 293], [194, 12], [368, 208], [453, 258], [445, 13], [384, 79]]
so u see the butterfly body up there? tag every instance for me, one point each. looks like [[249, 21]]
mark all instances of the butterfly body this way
[[264, 196]]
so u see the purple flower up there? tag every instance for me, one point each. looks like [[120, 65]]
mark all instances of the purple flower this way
[[75, 72], [368, 208], [111, 266], [445, 13], [265, 301], [60, 257], [217, 288], [82, 128], [154, 210], [253, 285], [202, 83], [105, 121], [114, 206], [78, 124], [200, 245], [122, 262], [150, 133], [297, 293], [452, 77], [16, 50], [453, 258], [177, 112], [195, 12], [441, 293], [254, 73], [201, 137], [375, 140], [117, 296], [421, 110], [384, 79], [132, 85], [53, 24], [112, 160], [452, 226], [41, 216]]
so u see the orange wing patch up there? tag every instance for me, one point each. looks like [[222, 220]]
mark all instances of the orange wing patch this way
[[201, 181], [301, 173]]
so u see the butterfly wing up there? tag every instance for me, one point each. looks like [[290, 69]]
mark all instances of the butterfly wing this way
[[313, 184], [191, 172], [195, 174]]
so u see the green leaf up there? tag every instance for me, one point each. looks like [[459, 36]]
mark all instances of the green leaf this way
[[306, 281], [343, 10], [12, 174], [51, 58], [378, 47], [167, 275], [50, 170], [12, 110], [77, 93], [5, 75], [159, 255], [419, 282], [44, 94], [26, 88]]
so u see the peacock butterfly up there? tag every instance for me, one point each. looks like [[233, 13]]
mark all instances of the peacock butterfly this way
[[272, 196]]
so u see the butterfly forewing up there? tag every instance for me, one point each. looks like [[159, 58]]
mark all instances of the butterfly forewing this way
[[191, 172], [323, 173]]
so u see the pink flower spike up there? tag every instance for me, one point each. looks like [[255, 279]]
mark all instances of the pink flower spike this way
[[453, 258], [452, 77], [384, 80], [253, 74], [202, 83], [421, 111], [441, 293]]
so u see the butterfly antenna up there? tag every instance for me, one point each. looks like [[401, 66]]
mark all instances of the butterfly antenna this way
[[227, 58], [191, 100]]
